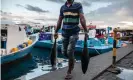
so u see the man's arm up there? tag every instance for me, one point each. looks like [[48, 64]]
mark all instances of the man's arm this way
[[58, 24], [83, 22]]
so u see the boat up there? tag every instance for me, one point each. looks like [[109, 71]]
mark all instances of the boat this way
[[104, 36], [46, 38], [16, 44], [94, 45]]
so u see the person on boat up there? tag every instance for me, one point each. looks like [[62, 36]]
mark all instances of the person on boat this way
[[26, 30], [70, 13]]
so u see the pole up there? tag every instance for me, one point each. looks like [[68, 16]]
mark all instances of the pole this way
[[114, 69], [114, 48], [132, 36]]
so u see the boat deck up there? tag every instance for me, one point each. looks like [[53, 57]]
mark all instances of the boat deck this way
[[97, 65]]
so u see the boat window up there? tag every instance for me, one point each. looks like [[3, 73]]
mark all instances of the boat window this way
[[19, 29], [4, 32]]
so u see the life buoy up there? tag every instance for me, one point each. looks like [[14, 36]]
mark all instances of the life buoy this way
[[29, 42], [26, 43], [14, 49]]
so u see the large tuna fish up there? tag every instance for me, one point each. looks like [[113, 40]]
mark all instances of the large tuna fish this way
[[85, 56], [53, 55]]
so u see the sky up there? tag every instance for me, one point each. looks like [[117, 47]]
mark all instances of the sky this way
[[99, 12]]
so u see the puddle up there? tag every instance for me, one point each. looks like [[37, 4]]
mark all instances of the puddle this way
[[126, 74]]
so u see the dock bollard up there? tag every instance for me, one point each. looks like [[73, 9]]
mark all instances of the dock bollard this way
[[114, 49], [114, 69]]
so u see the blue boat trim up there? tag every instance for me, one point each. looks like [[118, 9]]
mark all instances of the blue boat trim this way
[[92, 50], [19, 54]]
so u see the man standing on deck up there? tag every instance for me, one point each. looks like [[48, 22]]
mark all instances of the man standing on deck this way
[[71, 12]]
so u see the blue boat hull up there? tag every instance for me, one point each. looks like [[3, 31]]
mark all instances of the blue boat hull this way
[[44, 44], [92, 50], [13, 56]]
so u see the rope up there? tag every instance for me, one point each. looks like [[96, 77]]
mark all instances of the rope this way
[[97, 52]]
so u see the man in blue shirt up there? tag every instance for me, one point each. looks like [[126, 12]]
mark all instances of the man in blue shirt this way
[[70, 13]]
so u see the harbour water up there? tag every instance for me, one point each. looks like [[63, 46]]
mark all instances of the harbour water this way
[[126, 74], [31, 66]]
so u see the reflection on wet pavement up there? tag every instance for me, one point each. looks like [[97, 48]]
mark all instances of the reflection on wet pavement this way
[[30, 67], [126, 74], [44, 67]]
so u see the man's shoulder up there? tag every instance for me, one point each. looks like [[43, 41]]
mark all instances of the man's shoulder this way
[[63, 6], [77, 3]]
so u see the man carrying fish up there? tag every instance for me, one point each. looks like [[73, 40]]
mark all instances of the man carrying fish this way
[[70, 14]]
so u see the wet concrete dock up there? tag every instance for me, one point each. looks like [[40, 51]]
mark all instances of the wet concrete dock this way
[[96, 66], [126, 66]]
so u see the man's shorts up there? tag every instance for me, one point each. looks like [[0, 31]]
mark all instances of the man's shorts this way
[[68, 45]]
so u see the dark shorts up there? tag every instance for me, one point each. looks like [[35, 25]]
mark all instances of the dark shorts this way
[[70, 32], [68, 46]]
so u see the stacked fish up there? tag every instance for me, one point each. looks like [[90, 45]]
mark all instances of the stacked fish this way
[[45, 36]]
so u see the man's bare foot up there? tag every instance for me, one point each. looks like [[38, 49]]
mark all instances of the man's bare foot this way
[[68, 77], [54, 68]]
